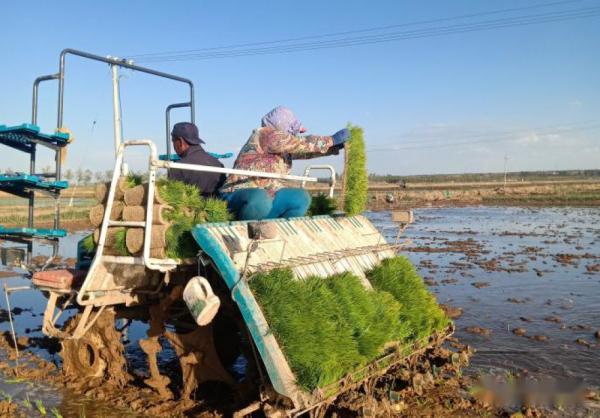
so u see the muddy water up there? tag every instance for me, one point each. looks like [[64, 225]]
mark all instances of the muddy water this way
[[28, 307], [536, 257], [504, 268]]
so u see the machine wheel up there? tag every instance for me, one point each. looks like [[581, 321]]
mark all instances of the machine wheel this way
[[98, 355]]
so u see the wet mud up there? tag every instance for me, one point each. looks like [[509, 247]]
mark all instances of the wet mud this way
[[522, 286]]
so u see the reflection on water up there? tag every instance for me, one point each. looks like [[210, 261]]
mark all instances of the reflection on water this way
[[537, 258]]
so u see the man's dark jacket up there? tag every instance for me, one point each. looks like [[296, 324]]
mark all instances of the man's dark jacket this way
[[208, 183]]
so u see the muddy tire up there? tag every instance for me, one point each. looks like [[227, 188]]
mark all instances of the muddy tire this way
[[98, 355]]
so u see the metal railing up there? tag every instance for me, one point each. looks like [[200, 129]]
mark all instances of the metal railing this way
[[115, 63], [330, 181], [119, 63], [168, 123], [154, 163]]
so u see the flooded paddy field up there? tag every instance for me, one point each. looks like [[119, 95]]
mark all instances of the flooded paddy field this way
[[523, 285]]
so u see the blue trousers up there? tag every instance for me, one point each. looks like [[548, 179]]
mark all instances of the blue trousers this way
[[256, 204]]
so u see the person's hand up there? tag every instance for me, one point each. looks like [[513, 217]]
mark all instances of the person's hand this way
[[341, 136], [335, 150]]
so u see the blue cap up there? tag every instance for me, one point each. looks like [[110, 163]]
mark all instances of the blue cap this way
[[187, 131]]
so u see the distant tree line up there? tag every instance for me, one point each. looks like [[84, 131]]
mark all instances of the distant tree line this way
[[86, 177], [483, 177]]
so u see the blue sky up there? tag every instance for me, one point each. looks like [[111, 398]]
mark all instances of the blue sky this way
[[447, 104]]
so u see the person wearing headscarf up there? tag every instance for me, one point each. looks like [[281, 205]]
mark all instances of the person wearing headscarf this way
[[272, 148]]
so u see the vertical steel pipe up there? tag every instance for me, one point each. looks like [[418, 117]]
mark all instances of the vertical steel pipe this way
[[34, 101], [118, 124]]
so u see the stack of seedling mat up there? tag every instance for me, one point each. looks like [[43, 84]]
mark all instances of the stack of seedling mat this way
[[329, 327], [177, 207], [355, 179]]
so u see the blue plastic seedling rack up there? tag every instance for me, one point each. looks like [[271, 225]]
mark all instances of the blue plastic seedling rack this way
[[26, 138]]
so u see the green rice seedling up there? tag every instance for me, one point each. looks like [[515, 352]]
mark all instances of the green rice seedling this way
[[322, 205], [15, 380], [328, 327], [310, 327], [189, 209], [419, 308], [40, 407], [355, 198], [179, 195], [27, 403], [180, 242], [386, 319], [372, 315], [133, 180], [215, 210], [120, 246], [88, 243], [56, 413]]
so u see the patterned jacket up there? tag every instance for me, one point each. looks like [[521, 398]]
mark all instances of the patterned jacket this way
[[272, 151]]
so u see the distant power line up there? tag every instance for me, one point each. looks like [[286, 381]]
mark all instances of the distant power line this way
[[379, 28], [488, 139], [342, 40]]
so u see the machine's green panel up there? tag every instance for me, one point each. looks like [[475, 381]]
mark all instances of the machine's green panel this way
[[22, 137], [33, 232], [19, 183]]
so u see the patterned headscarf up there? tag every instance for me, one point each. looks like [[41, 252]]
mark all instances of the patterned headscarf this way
[[282, 119]]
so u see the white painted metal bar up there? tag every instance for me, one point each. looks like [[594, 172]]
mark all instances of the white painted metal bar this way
[[137, 261], [118, 124], [327, 167], [150, 209], [97, 261], [127, 223], [12, 327], [153, 263], [249, 173], [99, 258]]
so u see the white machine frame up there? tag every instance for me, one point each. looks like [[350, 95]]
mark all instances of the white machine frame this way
[[162, 265], [85, 296]]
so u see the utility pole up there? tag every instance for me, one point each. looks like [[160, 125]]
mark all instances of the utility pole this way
[[505, 168]]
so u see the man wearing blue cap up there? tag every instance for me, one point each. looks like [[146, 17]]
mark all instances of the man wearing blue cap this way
[[186, 143]]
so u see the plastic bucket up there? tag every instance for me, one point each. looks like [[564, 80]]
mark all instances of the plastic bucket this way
[[200, 300]]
